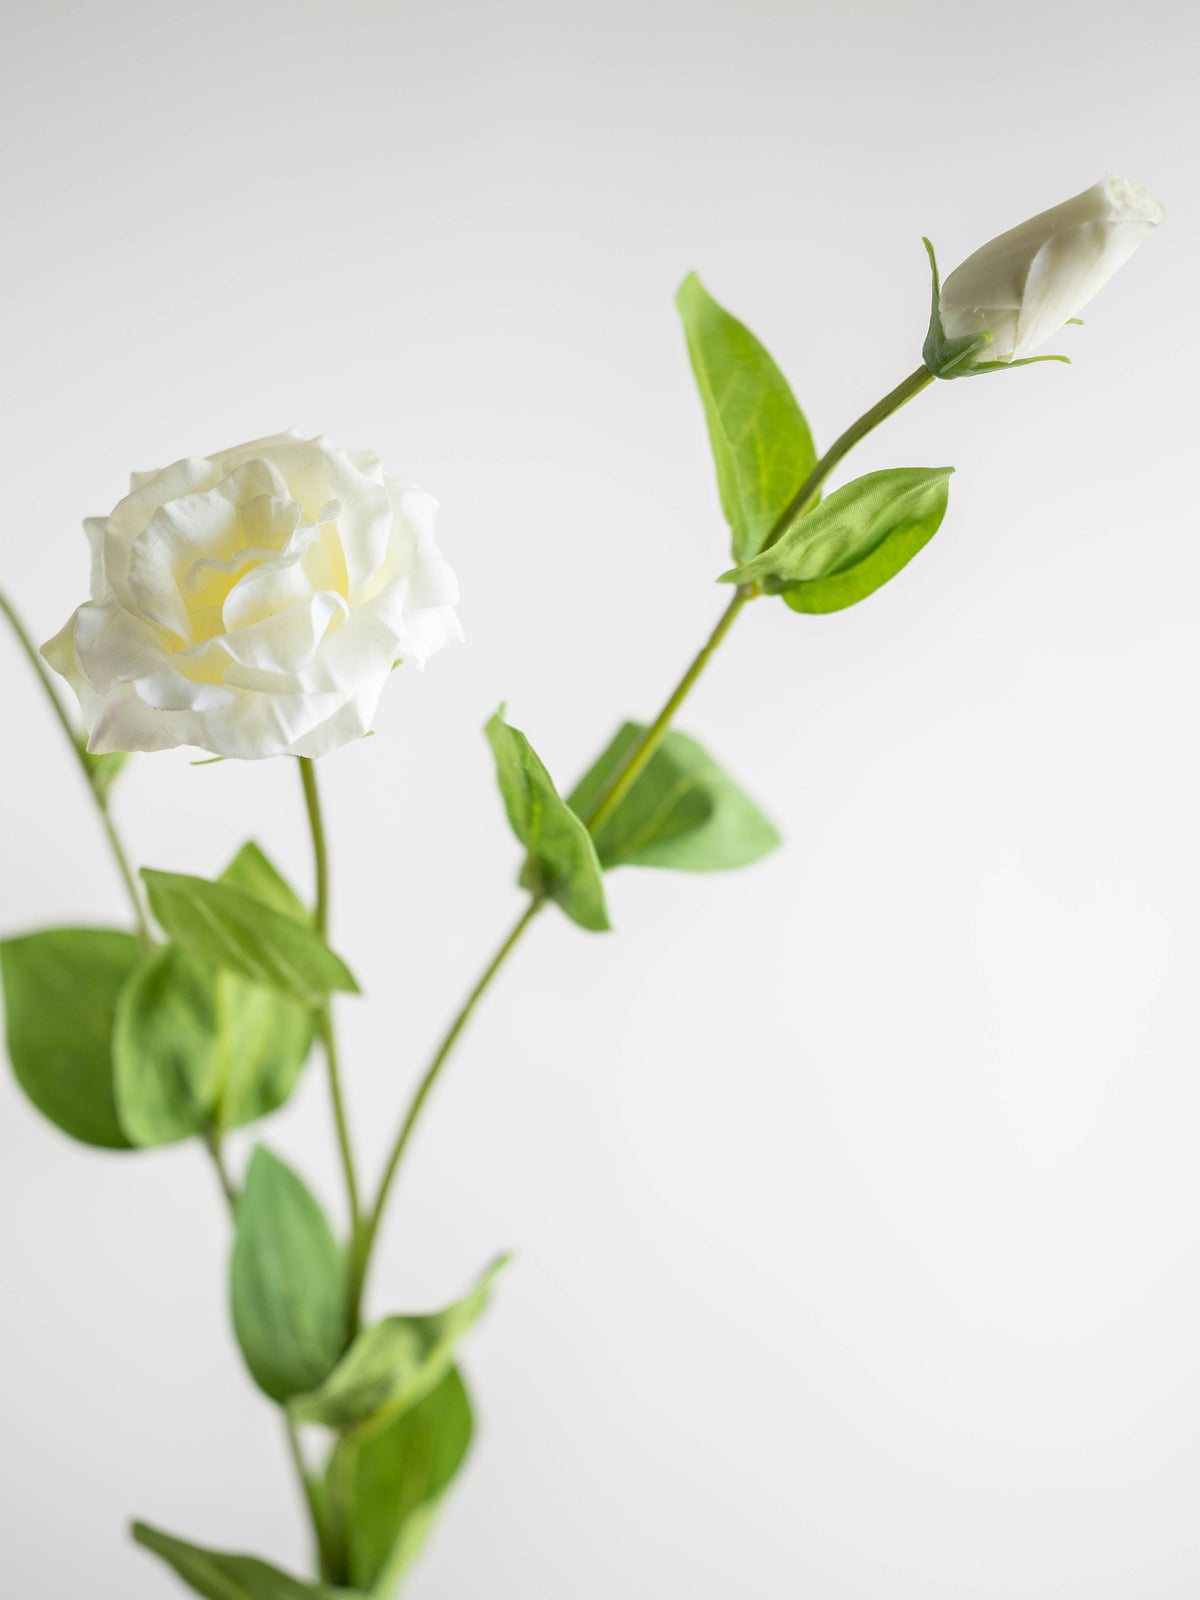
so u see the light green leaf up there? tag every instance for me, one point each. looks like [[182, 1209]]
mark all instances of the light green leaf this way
[[266, 1035], [561, 863], [104, 769], [252, 873], [681, 812], [287, 1282], [219, 1576], [394, 1482], [760, 440], [849, 546], [60, 997], [166, 1051], [392, 1364], [232, 929]]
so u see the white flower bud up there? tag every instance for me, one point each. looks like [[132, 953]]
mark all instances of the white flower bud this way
[[1023, 286]]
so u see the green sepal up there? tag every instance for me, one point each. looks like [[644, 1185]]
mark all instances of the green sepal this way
[[761, 443], [393, 1481], [682, 812], [393, 1364], [287, 1282], [219, 1575], [104, 769], [854, 542], [561, 862], [955, 358], [61, 988]]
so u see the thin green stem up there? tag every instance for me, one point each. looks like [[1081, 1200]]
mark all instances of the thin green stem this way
[[326, 1554], [841, 446], [128, 878], [371, 1226], [628, 775], [619, 786], [328, 1034], [215, 1147]]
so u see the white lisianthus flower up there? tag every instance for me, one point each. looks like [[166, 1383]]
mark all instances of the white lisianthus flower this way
[[254, 602], [1023, 286]]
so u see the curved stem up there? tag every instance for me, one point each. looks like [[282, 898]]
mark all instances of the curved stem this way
[[843, 444], [622, 782], [431, 1075], [213, 1143], [128, 878], [325, 1027]]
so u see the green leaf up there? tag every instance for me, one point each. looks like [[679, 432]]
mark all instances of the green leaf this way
[[166, 1048], [394, 1482], [561, 863], [849, 546], [60, 996], [104, 769], [681, 812], [267, 1036], [760, 440], [219, 1576], [287, 1282], [232, 929], [391, 1365], [251, 872]]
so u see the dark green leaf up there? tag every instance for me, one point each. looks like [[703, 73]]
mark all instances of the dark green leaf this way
[[860, 537], [232, 929], [682, 811], [219, 1576], [166, 1054], [60, 996], [391, 1365], [252, 873], [104, 769], [760, 440], [394, 1482], [287, 1282], [562, 862]]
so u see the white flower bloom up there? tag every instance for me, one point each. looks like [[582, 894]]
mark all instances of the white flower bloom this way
[[254, 602], [1023, 286]]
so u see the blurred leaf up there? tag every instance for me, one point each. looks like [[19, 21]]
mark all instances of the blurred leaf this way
[[682, 810], [849, 546], [60, 996], [232, 929], [219, 1576], [267, 1035], [760, 440], [252, 873], [395, 1480], [562, 862], [287, 1282], [104, 769], [392, 1364], [166, 1053]]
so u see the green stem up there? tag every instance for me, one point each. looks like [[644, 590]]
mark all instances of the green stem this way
[[325, 1549], [621, 783], [842, 446], [145, 937], [371, 1226], [325, 1027], [215, 1147]]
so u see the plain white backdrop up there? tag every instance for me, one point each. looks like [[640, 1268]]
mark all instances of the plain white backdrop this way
[[856, 1196]]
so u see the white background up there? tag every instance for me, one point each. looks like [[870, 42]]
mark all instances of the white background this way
[[856, 1195]]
